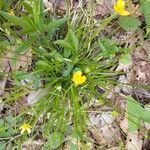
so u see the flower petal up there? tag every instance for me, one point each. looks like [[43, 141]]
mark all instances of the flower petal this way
[[115, 7], [28, 130], [124, 13], [119, 7], [121, 3], [22, 131], [77, 74], [83, 79], [78, 78]]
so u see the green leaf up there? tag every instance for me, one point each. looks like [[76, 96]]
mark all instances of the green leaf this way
[[64, 44], [57, 56], [68, 70], [20, 21], [27, 7], [74, 39], [37, 11], [136, 113], [11, 120], [3, 145], [42, 65], [1, 123], [1, 4], [129, 22], [125, 59], [134, 110], [145, 115], [21, 75], [67, 52], [31, 77], [145, 8], [55, 24], [108, 47]]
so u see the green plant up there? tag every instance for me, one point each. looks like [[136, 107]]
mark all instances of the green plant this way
[[136, 113], [60, 47], [132, 22]]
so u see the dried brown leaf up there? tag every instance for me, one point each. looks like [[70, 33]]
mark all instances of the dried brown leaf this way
[[134, 141]]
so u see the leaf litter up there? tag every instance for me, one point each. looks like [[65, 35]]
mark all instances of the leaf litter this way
[[104, 129]]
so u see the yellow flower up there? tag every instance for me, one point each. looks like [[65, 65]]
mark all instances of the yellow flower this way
[[11, 12], [114, 113], [25, 127], [119, 7], [78, 78]]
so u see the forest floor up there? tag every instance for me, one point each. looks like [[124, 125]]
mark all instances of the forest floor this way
[[43, 45]]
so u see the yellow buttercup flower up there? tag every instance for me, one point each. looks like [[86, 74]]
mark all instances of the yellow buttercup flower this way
[[78, 78], [25, 127], [114, 113], [119, 7], [11, 12]]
